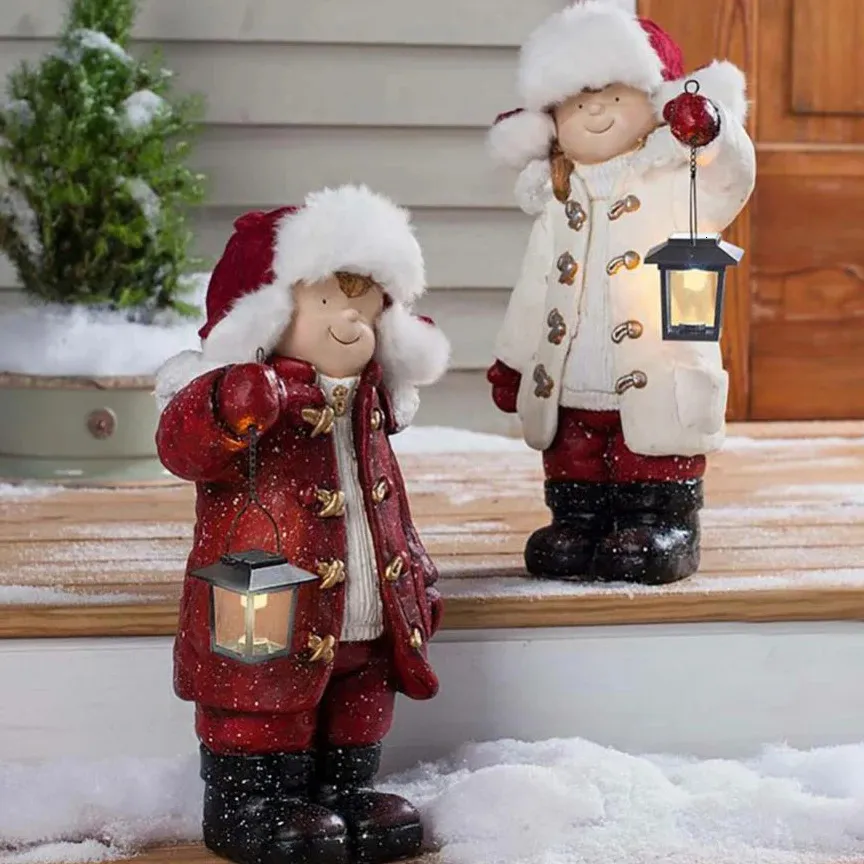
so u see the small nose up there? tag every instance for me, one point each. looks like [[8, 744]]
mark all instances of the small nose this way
[[595, 109], [351, 315]]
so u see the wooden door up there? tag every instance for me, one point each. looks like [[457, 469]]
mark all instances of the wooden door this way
[[794, 339]]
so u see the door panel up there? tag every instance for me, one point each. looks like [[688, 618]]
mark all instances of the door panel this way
[[827, 73], [805, 77]]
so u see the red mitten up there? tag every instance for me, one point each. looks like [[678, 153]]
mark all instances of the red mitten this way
[[693, 119], [304, 405], [249, 394], [505, 386]]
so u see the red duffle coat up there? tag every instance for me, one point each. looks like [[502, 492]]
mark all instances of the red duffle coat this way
[[297, 476]]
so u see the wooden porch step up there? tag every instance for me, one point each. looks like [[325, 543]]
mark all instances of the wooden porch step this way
[[783, 541], [197, 854]]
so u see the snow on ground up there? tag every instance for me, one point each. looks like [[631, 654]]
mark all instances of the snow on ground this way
[[507, 802], [806, 445], [23, 491], [40, 595], [440, 439], [58, 340]]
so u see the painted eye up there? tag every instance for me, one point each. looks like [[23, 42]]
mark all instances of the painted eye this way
[[617, 98], [324, 300], [580, 106]]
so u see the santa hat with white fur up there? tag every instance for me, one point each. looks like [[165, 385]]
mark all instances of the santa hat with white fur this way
[[348, 229], [589, 45]]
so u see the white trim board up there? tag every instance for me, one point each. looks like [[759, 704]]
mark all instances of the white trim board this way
[[705, 690]]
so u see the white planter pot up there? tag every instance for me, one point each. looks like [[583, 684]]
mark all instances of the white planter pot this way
[[78, 430]]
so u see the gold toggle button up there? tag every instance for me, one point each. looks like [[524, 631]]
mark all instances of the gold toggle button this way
[[631, 260], [331, 573], [635, 379]]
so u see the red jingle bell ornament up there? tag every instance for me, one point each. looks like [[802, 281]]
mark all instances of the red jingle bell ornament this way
[[693, 119]]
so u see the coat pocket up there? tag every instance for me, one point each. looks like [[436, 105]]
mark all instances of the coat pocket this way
[[700, 399]]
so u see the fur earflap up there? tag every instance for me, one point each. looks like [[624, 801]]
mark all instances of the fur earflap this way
[[410, 350], [254, 321], [520, 138], [533, 190], [590, 44], [355, 230], [179, 371], [721, 81]]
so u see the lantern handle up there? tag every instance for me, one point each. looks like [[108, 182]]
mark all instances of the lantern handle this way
[[252, 496], [694, 221]]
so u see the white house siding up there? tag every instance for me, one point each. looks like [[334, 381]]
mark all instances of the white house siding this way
[[307, 93]]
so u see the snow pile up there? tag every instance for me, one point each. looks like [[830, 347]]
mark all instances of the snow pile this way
[[142, 108], [92, 40], [15, 207], [506, 802], [124, 803], [38, 595], [563, 802], [20, 109], [19, 492], [440, 439], [146, 199], [61, 340], [807, 446]]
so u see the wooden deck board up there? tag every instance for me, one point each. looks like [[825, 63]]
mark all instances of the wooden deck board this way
[[197, 854], [783, 540]]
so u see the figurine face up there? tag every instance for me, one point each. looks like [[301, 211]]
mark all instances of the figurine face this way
[[597, 125], [331, 329]]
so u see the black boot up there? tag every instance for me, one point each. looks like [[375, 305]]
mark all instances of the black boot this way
[[580, 516], [257, 811], [655, 538], [382, 827]]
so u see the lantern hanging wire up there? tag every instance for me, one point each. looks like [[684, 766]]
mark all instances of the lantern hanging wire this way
[[252, 487], [694, 227]]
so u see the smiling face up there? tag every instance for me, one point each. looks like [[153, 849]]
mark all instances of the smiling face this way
[[333, 326], [598, 125]]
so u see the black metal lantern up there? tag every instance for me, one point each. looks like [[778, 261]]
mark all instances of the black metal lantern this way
[[692, 284], [253, 594], [693, 273]]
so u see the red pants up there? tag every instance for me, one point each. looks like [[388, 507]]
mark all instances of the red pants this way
[[355, 711], [589, 447]]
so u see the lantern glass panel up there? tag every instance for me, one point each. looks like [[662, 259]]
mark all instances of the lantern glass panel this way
[[692, 298], [253, 626]]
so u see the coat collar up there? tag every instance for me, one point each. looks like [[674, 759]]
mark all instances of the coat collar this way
[[291, 369], [534, 186]]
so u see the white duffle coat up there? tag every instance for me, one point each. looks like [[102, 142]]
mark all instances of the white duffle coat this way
[[671, 395]]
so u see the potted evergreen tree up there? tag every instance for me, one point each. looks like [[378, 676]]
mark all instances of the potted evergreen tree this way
[[93, 195]]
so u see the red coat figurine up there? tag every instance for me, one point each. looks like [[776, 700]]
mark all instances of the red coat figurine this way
[[290, 746]]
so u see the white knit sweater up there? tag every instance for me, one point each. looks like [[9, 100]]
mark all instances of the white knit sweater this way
[[364, 617], [589, 377]]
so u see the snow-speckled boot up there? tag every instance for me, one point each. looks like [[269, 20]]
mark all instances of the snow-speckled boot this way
[[565, 549], [655, 538], [257, 811], [382, 827]]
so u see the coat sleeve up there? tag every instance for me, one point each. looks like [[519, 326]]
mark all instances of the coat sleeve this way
[[527, 299], [724, 181], [192, 442]]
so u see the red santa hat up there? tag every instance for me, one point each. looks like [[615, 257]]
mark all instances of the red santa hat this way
[[589, 45], [349, 229]]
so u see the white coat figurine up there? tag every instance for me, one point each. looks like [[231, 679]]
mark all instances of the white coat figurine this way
[[624, 418]]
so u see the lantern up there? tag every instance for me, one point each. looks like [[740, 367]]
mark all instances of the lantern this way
[[253, 598], [253, 593], [692, 284], [693, 266]]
